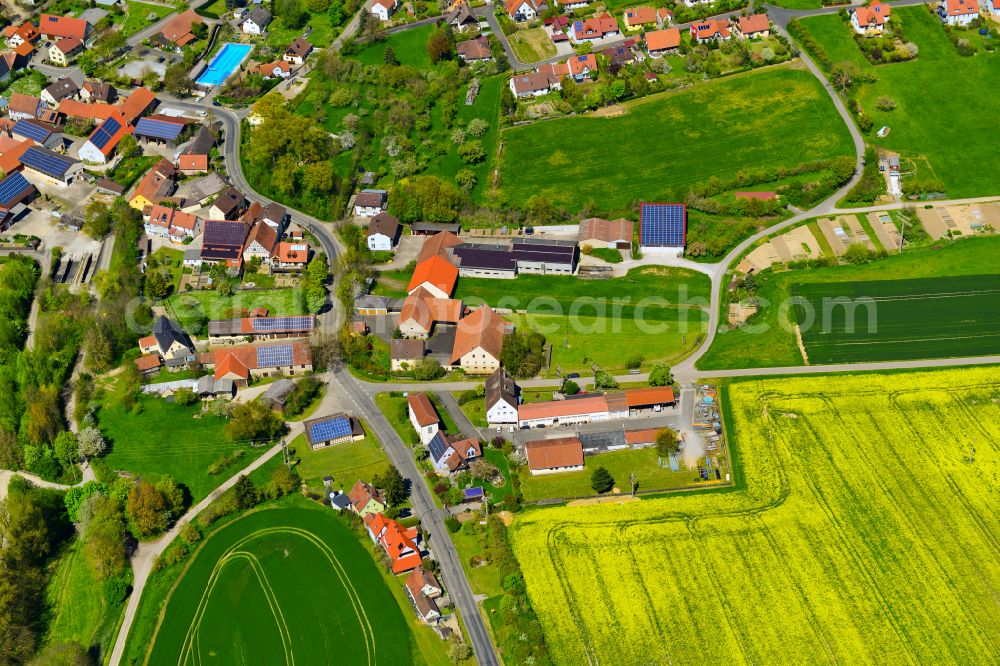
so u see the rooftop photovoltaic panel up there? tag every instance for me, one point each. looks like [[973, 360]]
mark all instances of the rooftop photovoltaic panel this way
[[103, 134], [334, 428], [264, 324], [47, 162], [438, 446], [272, 357], [11, 187], [31, 130], [473, 493], [224, 232], [158, 129], [662, 225]]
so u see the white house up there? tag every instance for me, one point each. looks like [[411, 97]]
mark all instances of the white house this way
[[383, 233], [992, 6], [256, 23], [871, 19], [958, 12], [423, 416], [369, 203], [384, 9], [501, 398], [524, 10]]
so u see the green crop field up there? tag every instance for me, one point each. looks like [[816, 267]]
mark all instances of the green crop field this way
[[890, 320], [935, 85], [862, 530], [285, 585], [780, 117], [770, 339]]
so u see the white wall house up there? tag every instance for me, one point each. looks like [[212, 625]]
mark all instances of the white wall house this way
[[384, 9], [958, 12], [423, 417]]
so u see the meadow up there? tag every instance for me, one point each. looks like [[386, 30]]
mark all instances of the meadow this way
[[862, 530], [346, 463], [935, 85], [769, 339], [139, 16], [890, 320], [410, 47], [779, 117], [285, 585], [166, 439]]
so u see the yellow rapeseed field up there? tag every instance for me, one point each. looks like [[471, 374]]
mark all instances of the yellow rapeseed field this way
[[866, 531]]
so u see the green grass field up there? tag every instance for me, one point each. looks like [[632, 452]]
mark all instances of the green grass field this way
[[765, 119], [322, 35], [193, 305], [935, 85], [167, 439], [79, 611], [770, 340], [346, 463], [621, 464], [410, 47], [532, 45], [284, 585], [889, 320], [139, 16]]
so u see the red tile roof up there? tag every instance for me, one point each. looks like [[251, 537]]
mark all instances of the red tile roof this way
[[11, 160], [399, 542], [423, 308], [640, 16], [437, 245], [97, 111], [754, 23], [550, 453], [560, 408], [288, 253], [422, 408], [68, 44], [877, 12], [654, 395], [362, 493], [147, 362], [659, 40], [953, 7], [178, 29], [63, 26], [581, 64], [243, 358], [436, 271], [137, 103], [483, 328], [191, 162], [595, 228]]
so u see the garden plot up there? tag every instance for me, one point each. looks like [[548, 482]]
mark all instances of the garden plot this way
[[795, 245]]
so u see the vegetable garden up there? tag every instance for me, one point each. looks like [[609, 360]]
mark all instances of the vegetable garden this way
[[863, 530]]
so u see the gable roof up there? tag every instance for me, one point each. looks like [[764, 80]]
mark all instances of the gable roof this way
[[137, 103], [97, 111], [658, 40], [261, 357], [370, 198], [260, 16], [595, 228], [99, 90], [11, 158], [21, 103], [168, 332], [178, 29], [62, 88], [662, 224], [265, 235], [293, 253], [483, 328], [68, 44], [63, 26], [172, 218], [362, 493], [229, 200], [955, 8], [384, 224], [423, 409], [710, 28], [653, 395], [437, 245], [580, 64], [401, 349], [436, 271], [500, 386], [474, 49], [550, 453], [300, 47], [106, 136], [560, 408], [157, 183], [640, 15], [877, 12], [425, 310], [754, 23]]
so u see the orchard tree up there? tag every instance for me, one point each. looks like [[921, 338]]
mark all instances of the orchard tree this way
[[254, 421], [147, 510], [439, 46], [91, 443], [666, 442]]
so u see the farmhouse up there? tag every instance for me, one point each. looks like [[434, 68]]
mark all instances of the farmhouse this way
[[501, 398], [663, 228], [421, 311], [369, 203], [450, 453], [241, 363], [260, 328], [437, 275], [592, 29], [550, 456], [329, 430], [423, 588], [262, 242], [871, 19], [406, 353], [365, 499], [755, 26], [399, 543], [555, 412], [64, 27], [958, 12], [222, 242], [479, 342], [158, 184], [599, 233], [41, 164], [438, 244], [167, 222], [423, 416], [706, 31], [168, 341], [384, 9], [298, 51], [383, 232]]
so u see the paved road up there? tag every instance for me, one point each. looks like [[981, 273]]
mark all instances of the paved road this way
[[145, 556], [431, 518]]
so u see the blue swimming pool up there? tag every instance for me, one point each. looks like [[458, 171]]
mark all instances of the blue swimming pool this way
[[224, 63]]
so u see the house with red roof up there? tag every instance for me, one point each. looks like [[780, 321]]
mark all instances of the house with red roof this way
[[400, 543], [279, 69], [582, 66], [18, 35], [437, 275], [168, 222], [366, 500], [290, 256], [549, 456], [53, 27], [957, 12], [479, 342], [706, 31], [64, 51], [245, 361], [421, 311], [524, 10], [384, 9], [593, 29], [871, 20], [755, 26], [423, 588], [423, 416], [637, 17], [101, 144], [178, 30]]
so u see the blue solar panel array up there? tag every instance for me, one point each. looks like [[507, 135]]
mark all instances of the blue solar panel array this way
[[273, 357], [12, 186], [105, 132], [47, 162], [437, 447], [473, 493], [662, 225], [31, 130], [334, 428], [264, 324], [158, 129]]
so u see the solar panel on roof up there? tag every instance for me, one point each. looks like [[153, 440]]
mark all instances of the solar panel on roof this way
[[473, 493], [273, 357], [158, 129], [103, 134], [264, 324], [330, 429], [224, 232], [662, 225], [11, 187], [437, 447], [46, 162], [36, 133]]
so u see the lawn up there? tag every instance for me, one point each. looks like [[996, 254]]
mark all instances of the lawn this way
[[935, 85], [770, 340], [531, 45], [285, 584], [863, 530], [322, 35], [214, 9], [346, 463], [891, 320], [644, 462], [131, 169], [167, 439], [410, 47], [78, 609], [138, 16], [192, 306], [675, 140]]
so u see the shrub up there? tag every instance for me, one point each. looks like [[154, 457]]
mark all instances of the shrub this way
[[453, 524], [885, 103]]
